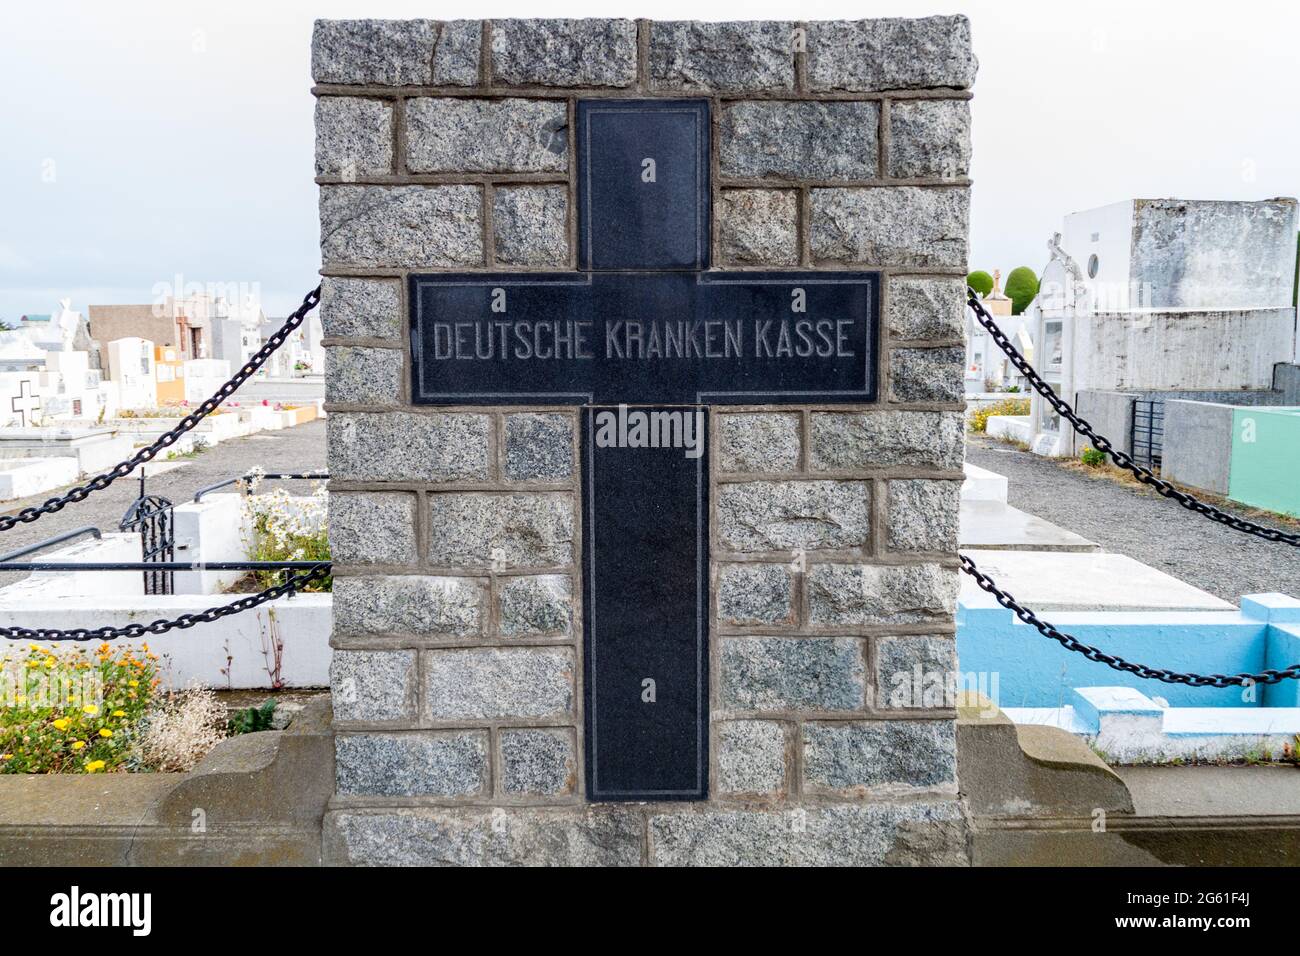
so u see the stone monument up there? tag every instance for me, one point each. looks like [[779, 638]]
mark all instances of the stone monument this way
[[644, 369]]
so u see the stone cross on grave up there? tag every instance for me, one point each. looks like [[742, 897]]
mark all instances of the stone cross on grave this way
[[25, 404], [645, 338]]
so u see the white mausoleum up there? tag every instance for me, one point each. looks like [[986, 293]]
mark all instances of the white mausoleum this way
[[1164, 295]]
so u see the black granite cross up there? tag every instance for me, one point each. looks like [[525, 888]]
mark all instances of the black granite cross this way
[[645, 337]]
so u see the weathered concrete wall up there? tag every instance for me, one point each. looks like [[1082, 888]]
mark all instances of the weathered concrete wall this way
[[1286, 381], [1199, 254], [237, 651], [1110, 414], [1182, 350], [457, 631], [1198, 445]]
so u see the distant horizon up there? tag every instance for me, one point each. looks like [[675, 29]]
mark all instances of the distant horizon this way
[[114, 182]]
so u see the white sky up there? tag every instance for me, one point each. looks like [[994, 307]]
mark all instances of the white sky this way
[[178, 135]]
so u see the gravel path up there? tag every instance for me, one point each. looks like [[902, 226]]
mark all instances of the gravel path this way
[[1141, 524], [289, 450]]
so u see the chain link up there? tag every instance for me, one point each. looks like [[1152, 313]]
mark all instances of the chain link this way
[[167, 439], [291, 586], [124, 468], [1147, 477]]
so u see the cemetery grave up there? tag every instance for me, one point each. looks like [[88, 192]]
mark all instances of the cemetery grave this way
[[58, 405], [646, 503], [1130, 608], [641, 491]]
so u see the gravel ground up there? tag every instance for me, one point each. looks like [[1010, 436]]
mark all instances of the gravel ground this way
[[1129, 520], [290, 450]]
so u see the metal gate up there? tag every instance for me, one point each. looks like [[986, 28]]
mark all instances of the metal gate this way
[[1148, 431], [151, 516]]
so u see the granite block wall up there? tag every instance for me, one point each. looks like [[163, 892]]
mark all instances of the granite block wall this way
[[448, 146]]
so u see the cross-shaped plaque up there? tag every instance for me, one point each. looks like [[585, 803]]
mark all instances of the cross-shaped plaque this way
[[645, 337], [25, 404]]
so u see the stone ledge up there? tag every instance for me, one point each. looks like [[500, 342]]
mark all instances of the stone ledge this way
[[262, 797], [655, 835], [594, 836], [871, 834], [1024, 771]]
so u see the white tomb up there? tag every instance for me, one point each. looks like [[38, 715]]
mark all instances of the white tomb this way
[[90, 448], [983, 485], [995, 525], [1074, 581], [131, 365], [1163, 295], [22, 477]]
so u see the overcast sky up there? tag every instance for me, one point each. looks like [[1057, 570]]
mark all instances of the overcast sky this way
[[144, 141]]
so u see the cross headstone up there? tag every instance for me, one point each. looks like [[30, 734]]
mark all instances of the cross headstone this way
[[645, 338], [644, 379], [25, 404]]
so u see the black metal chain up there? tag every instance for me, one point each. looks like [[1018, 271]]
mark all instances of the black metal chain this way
[[291, 586], [1102, 444], [1118, 663], [1144, 475], [124, 468]]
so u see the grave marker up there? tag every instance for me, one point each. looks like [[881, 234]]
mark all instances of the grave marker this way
[[644, 371], [670, 339]]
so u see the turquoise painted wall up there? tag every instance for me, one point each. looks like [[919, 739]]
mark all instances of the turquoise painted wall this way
[[1010, 662], [1265, 470], [1035, 671]]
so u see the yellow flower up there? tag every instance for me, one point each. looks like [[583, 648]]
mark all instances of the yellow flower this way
[[6, 756], [133, 683], [119, 713], [105, 732], [94, 765], [91, 709], [62, 723], [50, 662], [78, 744]]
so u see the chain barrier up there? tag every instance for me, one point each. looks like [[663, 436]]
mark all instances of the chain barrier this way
[[167, 439], [1118, 663], [290, 587], [1147, 477], [124, 468]]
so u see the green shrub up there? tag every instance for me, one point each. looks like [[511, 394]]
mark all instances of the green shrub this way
[[979, 418], [1022, 286], [981, 282], [1093, 458], [251, 720]]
